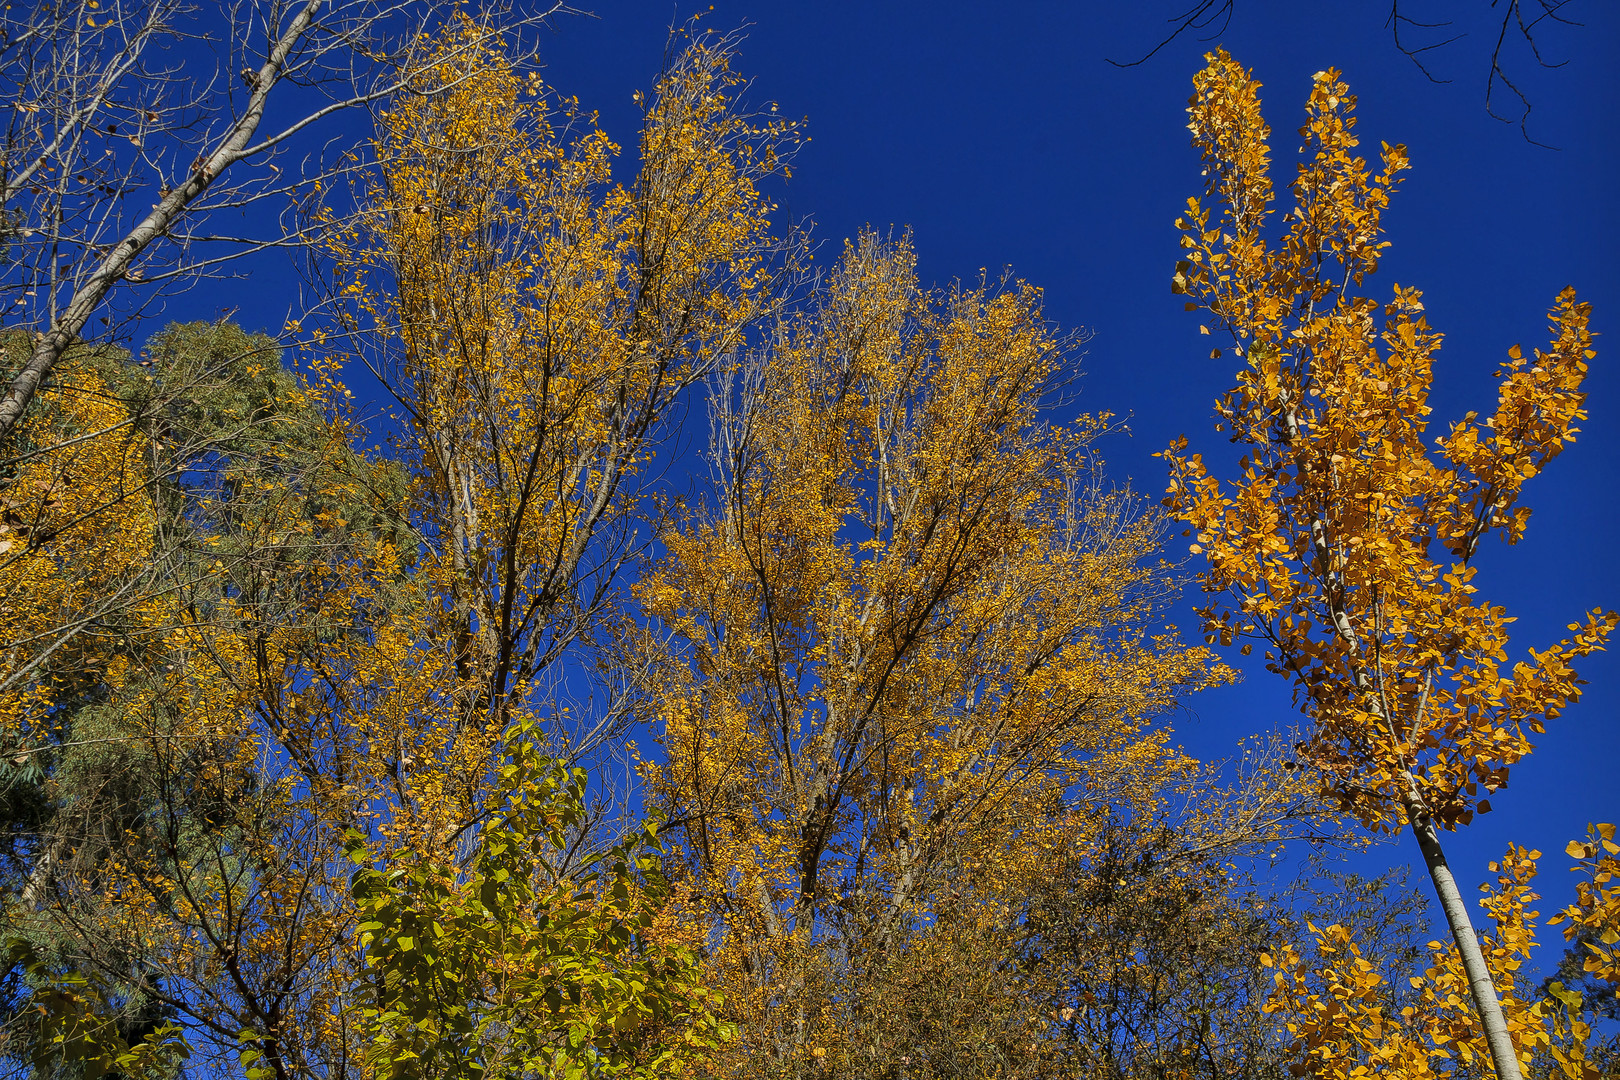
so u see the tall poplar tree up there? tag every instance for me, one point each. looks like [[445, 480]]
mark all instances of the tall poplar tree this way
[[912, 635], [1344, 544]]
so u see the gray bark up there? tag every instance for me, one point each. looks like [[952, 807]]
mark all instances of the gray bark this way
[[48, 350], [1503, 1054]]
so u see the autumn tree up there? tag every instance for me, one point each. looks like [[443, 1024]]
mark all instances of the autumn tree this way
[[1345, 544], [535, 324], [158, 798], [76, 541], [909, 627]]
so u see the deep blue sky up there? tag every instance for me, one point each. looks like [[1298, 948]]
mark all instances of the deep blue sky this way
[[1002, 136]]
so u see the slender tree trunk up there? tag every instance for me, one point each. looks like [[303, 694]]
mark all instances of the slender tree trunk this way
[[1503, 1054], [50, 346]]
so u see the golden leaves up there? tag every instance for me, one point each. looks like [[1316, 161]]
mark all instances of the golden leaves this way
[[1347, 1021], [75, 524], [1321, 548], [910, 620], [1594, 917]]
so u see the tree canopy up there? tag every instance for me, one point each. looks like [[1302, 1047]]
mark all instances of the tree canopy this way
[[597, 638]]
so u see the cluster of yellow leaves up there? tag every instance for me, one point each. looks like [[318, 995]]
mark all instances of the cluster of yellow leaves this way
[[1344, 544], [1347, 1019], [1596, 909], [74, 524]]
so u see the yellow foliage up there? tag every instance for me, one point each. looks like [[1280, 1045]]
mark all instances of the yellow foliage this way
[[75, 526], [1344, 545], [912, 627], [536, 322], [1347, 1020], [1596, 909]]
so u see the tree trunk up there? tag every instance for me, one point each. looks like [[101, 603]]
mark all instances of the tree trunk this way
[[50, 346], [1503, 1054]]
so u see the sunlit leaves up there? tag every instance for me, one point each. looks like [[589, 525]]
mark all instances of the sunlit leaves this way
[[912, 623], [1593, 920], [76, 524], [506, 970], [1343, 543]]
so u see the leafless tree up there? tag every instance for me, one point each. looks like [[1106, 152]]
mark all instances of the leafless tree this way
[[132, 125]]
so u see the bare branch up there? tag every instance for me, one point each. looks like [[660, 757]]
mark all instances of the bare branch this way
[[98, 112]]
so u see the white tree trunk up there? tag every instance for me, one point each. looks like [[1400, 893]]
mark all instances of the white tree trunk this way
[[1489, 1008]]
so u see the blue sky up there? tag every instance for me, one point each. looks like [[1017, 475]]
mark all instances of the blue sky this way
[[1002, 136]]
